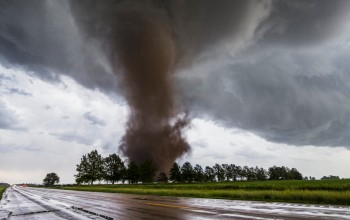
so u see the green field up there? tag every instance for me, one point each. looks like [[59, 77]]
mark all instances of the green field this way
[[336, 192], [2, 190]]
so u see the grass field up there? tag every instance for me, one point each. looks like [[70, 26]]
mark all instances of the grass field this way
[[336, 192], [2, 190]]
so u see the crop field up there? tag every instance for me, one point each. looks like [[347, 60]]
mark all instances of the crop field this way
[[335, 192]]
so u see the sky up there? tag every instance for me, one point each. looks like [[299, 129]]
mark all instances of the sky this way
[[263, 82]]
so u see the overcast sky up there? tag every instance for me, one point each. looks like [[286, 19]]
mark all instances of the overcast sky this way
[[264, 82]]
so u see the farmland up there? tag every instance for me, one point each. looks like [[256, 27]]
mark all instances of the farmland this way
[[335, 192]]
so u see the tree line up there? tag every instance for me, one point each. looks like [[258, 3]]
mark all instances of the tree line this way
[[93, 167], [230, 172], [330, 177]]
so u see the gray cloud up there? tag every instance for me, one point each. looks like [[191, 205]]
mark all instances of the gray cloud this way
[[287, 87], [3, 77], [109, 146], [9, 148], [199, 143], [41, 37], [93, 119], [195, 25], [301, 23], [73, 137], [18, 92], [249, 153], [8, 118], [289, 97]]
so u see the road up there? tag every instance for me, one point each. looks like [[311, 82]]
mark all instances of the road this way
[[35, 203]]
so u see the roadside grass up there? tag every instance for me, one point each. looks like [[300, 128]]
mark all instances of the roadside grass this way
[[332, 192], [2, 190]]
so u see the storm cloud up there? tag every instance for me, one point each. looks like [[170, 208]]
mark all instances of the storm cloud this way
[[42, 38], [299, 100], [291, 86], [275, 68]]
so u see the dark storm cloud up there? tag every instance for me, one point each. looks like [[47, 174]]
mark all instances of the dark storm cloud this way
[[287, 86], [288, 97], [41, 37], [94, 119], [194, 25], [301, 23]]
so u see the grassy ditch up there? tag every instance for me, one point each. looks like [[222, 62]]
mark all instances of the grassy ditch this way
[[2, 190], [335, 192]]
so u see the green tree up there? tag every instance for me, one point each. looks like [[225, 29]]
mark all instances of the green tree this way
[[261, 173], [219, 172], [330, 177], [124, 174], [229, 168], [237, 171], [198, 173], [133, 173], [162, 178], [147, 171], [175, 173], [251, 175], [187, 172], [273, 173], [90, 168], [244, 173], [113, 168], [277, 173], [295, 174], [284, 173], [51, 179], [209, 174]]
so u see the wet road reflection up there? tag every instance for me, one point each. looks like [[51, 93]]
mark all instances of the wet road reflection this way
[[36, 203]]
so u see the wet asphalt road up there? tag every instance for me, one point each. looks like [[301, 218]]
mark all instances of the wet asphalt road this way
[[35, 203]]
